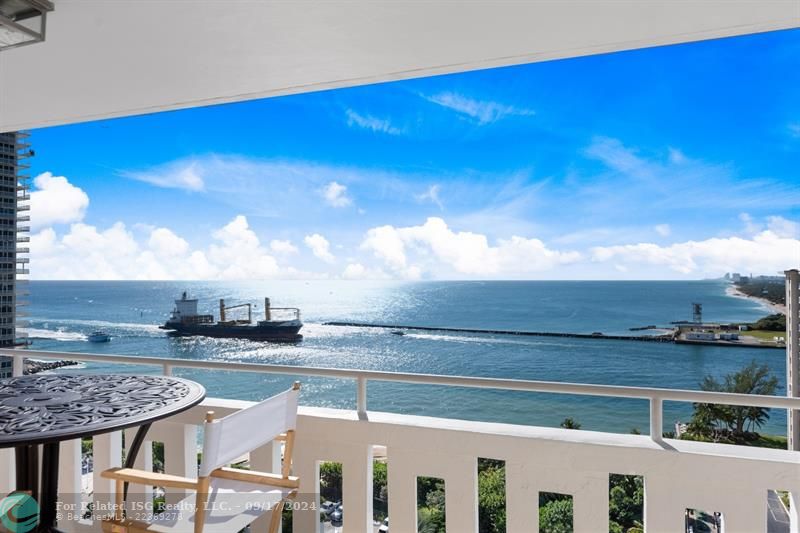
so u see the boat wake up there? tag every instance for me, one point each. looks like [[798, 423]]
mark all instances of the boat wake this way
[[56, 335], [485, 340], [97, 324]]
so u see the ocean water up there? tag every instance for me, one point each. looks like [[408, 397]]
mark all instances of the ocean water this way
[[63, 313]]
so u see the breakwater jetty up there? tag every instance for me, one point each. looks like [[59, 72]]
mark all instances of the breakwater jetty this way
[[34, 366], [640, 338]]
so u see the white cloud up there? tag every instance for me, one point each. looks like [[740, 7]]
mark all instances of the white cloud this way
[[274, 188], [320, 247], [369, 122], [765, 252], [165, 243], [462, 253], [386, 243], [56, 201], [186, 175], [86, 252], [751, 227], [356, 271], [637, 181], [622, 159], [335, 195], [482, 111], [282, 247], [783, 227], [431, 195], [677, 157], [663, 229], [239, 253]]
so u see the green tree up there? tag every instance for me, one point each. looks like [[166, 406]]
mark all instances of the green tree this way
[[775, 322], [556, 516], [431, 513], [330, 480], [430, 520], [380, 492], [625, 502], [709, 419], [491, 496], [570, 423]]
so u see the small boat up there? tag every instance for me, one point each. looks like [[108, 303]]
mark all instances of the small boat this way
[[399, 333], [98, 336]]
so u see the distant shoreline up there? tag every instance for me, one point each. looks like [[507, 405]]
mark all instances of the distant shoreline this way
[[733, 290]]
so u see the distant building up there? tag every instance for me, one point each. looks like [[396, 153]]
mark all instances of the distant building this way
[[736, 277], [14, 239], [700, 336], [779, 280]]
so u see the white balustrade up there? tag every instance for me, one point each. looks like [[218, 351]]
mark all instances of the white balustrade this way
[[733, 480]]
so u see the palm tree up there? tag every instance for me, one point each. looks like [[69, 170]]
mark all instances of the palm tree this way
[[752, 379]]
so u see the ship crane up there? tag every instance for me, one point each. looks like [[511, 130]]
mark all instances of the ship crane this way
[[223, 309]]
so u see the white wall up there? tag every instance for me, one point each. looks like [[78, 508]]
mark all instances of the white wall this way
[[123, 57]]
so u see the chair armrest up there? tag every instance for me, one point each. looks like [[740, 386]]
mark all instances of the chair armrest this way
[[143, 477], [262, 478]]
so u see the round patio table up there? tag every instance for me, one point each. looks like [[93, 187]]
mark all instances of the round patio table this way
[[45, 409]]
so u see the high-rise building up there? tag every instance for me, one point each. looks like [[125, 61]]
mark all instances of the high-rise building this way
[[14, 239]]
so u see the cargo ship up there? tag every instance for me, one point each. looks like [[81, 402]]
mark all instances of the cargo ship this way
[[186, 322]]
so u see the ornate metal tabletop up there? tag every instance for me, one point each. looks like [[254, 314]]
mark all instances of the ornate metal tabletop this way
[[55, 407]]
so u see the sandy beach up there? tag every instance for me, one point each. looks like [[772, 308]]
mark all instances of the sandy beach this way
[[732, 290]]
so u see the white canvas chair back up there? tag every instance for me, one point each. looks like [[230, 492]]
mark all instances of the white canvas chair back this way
[[228, 438]]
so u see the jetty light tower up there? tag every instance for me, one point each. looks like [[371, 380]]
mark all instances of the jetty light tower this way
[[697, 313]]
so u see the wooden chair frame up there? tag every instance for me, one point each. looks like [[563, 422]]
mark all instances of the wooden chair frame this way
[[202, 486]]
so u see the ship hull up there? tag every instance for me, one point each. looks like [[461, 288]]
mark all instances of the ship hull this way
[[277, 333]]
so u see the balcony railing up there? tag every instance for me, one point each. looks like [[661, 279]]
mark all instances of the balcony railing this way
[[678, 475]]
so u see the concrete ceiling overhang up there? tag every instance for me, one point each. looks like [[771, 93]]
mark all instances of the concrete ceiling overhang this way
[[125, 57]]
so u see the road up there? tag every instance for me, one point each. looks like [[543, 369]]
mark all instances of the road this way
[[777, 517]]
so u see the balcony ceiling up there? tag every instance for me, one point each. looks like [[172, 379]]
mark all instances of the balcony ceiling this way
[[127, 57]]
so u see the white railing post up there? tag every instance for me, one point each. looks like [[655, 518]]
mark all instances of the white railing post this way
[[402, 486], [70, 479], [656, 419], [361, 396], [139, 495], [590, 504], [8, 476], [663, 506], [267, 458], [794, 516], [180, 452], [357, 487], [306, 467], [522, 498], [167, 369], [461, 494], [106, 453], [18, 365]]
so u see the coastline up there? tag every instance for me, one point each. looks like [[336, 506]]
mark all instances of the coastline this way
[[732, 290]]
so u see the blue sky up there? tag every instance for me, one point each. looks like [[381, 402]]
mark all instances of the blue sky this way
[[671, 162]]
